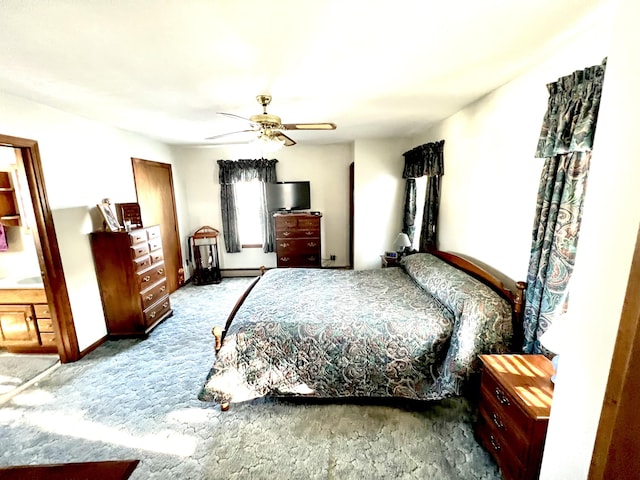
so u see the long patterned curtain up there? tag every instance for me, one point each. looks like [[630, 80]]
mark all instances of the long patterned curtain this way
[[427, 159], [566, 141], [234, 171]]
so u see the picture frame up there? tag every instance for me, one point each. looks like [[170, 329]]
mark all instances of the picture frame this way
[[129, 212], [110, 221]]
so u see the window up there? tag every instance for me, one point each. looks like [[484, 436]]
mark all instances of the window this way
[[421, 192], [249, 212]]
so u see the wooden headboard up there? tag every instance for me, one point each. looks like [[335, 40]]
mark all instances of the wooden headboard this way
[[515, 298]]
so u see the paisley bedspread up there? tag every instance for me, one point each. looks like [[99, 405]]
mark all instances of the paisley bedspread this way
[[412, 332]]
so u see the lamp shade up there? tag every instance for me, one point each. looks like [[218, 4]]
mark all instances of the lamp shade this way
[[402, 241]]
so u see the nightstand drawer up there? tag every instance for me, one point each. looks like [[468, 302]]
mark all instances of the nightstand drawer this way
[[498, 400], [503, 427], [500, 449]]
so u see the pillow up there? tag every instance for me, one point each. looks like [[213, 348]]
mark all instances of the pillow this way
[[483, 317]]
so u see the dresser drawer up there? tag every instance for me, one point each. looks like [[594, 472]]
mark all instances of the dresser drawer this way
[[298, 233], [139, 250], [48, 339], [153, 232], [309, 223], [45, 325], [156, 311], [286, 222], [42, 311], [150, 296], [137, 236], [156, 256], [298, 246], [141, 263], [155, 244], [299, 260], [148, 277]]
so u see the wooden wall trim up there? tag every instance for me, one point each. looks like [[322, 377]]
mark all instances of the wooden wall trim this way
[[618, 438]]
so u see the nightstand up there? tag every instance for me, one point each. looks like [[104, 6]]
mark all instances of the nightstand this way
[[386, 262], [515, 400]]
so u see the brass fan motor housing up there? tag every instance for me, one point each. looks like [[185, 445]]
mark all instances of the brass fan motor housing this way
[[267, 120]]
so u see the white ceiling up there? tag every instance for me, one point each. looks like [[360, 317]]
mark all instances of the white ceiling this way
[[163, 68]]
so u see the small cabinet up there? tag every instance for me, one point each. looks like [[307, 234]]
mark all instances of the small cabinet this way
[[17, 326]]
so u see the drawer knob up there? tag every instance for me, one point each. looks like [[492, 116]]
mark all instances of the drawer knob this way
[[497, 421], [146, 278], [152, 315], [312, 244], [286, 234], [308, 233], [494, 443], [284, 259], [162, 289], [502, 398], [284, 244], [161, 272], [149, 297], [165, 305]]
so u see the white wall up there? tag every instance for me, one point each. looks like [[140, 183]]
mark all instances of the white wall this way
[[491, 177], [325, 166], [607, 239], [378, 197], [488, 204], [83, 162]]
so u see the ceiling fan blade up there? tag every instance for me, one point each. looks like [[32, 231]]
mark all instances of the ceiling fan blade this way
[[288, 142], [238, 117], [309, 126], [230, 133]]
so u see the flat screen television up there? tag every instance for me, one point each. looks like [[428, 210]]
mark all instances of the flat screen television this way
[[288, 196]]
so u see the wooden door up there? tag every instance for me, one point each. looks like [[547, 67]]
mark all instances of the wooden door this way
[[154, 188]]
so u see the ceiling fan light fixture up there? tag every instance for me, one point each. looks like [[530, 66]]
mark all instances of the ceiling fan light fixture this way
[[270, 143]]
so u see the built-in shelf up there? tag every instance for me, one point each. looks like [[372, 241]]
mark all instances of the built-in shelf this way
[[9, 212]]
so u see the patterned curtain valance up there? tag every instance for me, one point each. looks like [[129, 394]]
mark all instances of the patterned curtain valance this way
[[570, 121], [427, 159], [234, 171]]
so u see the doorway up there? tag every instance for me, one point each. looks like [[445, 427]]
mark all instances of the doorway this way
[[29, 167]]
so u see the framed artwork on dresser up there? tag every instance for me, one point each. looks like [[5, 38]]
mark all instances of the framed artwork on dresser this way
[[110, 220], [129, 212]]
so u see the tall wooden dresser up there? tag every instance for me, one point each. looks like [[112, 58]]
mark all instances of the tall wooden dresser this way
[[132, 280], [298, 239]]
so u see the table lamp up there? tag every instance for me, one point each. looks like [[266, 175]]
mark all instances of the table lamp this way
[[402, 242]]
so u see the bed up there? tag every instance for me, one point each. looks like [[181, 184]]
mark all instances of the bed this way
[[411, 332]]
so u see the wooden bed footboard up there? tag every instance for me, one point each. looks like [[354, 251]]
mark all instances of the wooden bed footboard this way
[[218, 332]]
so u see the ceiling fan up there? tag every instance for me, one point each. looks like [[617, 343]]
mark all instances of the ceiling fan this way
[[269, 129]]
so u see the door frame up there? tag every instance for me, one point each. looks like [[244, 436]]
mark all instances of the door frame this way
[[47, 248], [616, 439]]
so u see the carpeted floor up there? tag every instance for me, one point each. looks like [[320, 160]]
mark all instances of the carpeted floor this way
[[17, 370], [138, 399]]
